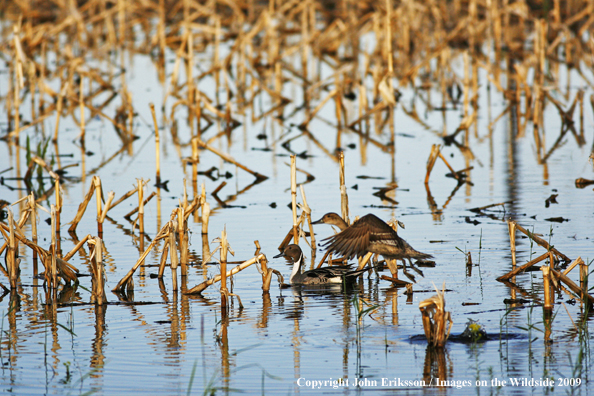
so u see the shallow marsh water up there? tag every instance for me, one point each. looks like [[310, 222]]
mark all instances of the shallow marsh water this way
[[162, 342]]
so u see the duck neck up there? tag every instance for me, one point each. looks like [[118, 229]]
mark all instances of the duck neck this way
[[296, 268], [342, 224]]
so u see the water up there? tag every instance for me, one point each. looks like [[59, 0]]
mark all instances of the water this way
[[287, 341]]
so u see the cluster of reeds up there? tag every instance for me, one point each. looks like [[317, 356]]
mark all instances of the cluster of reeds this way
[[256, 62], [552, 277], [370, 48], [56, 268]]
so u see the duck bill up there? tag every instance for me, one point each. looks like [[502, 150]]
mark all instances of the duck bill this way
[[282, 254], [321, 221]]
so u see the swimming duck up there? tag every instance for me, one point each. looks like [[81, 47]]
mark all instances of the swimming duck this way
[[318, 276], [368, 234]]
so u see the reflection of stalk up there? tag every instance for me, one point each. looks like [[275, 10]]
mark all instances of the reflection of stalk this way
[[33, 209], [224, 290], [157, 145], [344, 199], [294, 198], [173, 253]]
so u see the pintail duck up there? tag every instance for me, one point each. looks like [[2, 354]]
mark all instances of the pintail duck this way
[[368, 234], [318, 276]]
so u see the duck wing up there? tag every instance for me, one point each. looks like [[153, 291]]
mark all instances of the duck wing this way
[[357, 239]]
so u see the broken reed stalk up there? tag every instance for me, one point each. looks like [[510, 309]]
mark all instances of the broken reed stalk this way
[[77, 247], [583, 275], [344, 198], [163, 259], [364, 260], [542, 242], [157, 144], [57, 187], [224, 290], [200, 288], [546, 280], [574, 288], [124, 197], [227, 158], [163, 233], [135, 210], [82, 207], [182, 233], [173, 252], [434, 319], [294, 198], [523, 268], [266, 272], [395, 282], [66, 270], [512, 241], [98, 195], [140, 206], [110, 196], [97, 271], [393, 267], [53, 281], [431, 160], [205, 219]]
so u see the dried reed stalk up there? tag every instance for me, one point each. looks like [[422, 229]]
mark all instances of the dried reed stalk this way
[[144, 202], [431, 160], [97, 271], [227, 158], [163, 261], [52, 277], [512, 241], [364, 260], [110, 196], [583, 275], [124, 197], [182, 232], [435, 318], [395, 282], [198, 289], [163, 233], [140, 206], [574, 288], [523, 268], [548, 295], [315, 111], [99, 196], [82, 207], [205, 245], [542, 242], [65, 270]]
